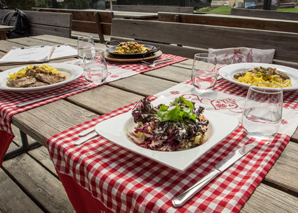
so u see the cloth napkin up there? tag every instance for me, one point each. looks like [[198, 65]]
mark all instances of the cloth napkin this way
[[242, 55], [139, 184], [9, 100]]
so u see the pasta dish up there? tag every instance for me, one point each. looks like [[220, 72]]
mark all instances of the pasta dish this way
[[130, 47], [261, 74]]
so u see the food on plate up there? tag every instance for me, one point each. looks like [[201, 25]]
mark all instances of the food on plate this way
[[130, 47], [35, 76], [261, 74], [179, 126]]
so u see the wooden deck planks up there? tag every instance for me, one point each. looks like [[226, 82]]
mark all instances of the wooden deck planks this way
[[29, 183]]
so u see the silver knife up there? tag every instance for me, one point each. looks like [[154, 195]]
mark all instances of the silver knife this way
[[48, 97], [228, 161]]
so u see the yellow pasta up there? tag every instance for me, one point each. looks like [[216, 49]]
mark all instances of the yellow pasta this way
[[22, 72], [251, 77], [130, 47]]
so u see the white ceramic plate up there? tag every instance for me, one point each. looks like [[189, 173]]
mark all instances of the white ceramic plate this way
[[73, 71], [229, 71], [115, 129]]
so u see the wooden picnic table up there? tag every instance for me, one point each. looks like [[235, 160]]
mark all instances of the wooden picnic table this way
[[278, 191], [3, 30]]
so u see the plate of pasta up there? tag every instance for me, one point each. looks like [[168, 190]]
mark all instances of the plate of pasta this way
[[131, 49], [38, 77], [244, 74]]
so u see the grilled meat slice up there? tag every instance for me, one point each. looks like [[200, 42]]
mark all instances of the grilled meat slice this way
[[38, 84], [21, 82], [49, 79]]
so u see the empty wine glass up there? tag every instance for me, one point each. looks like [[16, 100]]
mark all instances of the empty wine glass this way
[[204, 71], [83, 43], [95, 66], [263, 110]]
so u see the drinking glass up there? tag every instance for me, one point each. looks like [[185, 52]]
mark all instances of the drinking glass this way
[[95, 66], [204, 71], [262, 113], [83, 43]]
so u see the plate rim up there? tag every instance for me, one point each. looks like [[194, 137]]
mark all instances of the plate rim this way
[[41, 88], [189, 156], [230, 69]]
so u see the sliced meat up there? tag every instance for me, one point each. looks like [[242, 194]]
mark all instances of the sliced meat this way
[[49, 79], [38, 84], [21, 82]]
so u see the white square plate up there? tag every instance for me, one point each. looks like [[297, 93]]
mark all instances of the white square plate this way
[[115, 130]]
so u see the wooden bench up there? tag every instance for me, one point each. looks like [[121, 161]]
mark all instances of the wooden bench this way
[[91, 21], [265, 14], [58, 24], [153, 9], [195, 38], [231, 21]]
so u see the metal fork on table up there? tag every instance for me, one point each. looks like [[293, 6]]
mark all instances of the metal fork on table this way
[[152, 64]]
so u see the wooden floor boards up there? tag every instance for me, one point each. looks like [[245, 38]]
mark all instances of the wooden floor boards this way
[[29, 183]]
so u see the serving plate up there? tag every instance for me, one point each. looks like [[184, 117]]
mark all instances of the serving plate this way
[[115, 130], [73, 71], [152, 50], [132, 60], [228, 72]]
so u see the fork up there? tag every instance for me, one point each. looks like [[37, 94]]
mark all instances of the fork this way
[[156, 62]]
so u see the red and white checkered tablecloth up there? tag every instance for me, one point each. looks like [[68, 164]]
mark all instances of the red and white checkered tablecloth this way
[[9, 100], [123, 181]]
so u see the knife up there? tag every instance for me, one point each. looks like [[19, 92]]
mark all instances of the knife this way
[[228, 161], [48, 97]]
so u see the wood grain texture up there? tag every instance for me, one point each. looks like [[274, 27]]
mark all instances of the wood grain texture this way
[[104, 99], [44, 187], [13, 199], [38, 29], [269, 199], [143, 85], [206, 36], [171, 73], [265, 14], [47, 23], [232, 21], [286, 164], [43, 122], [153, 8]]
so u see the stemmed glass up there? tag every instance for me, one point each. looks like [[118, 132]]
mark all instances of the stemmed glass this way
[[204, 71], [263, 110]]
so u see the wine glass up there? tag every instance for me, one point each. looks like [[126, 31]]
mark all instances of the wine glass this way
[[95, 66], [83, 43], [263, 110], [204, 71]]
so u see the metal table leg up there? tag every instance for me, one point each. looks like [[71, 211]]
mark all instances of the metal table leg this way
[[22, 149]]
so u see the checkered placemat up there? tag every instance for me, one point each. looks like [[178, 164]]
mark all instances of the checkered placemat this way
[[140, 184], [9, 100]]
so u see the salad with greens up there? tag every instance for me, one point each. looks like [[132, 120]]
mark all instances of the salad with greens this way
[[179, 126]]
